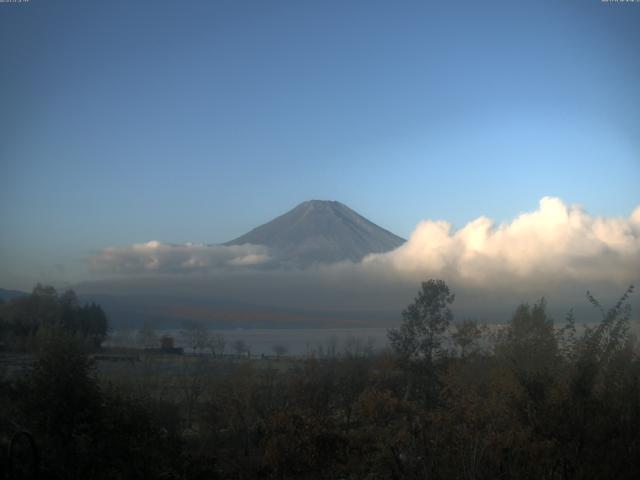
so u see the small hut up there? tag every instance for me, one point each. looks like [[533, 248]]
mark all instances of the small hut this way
[[167, 345]]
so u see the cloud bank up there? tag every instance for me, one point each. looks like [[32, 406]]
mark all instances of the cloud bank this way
[[556, 241], [163, 258], [557, 251]]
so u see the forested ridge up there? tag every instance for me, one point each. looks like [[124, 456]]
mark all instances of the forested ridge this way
[[449, 399]]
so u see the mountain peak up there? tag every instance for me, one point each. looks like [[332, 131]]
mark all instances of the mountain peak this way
[[315, 202], [320, 231], [320, 204]]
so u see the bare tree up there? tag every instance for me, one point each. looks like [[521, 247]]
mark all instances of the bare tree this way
[[332, 347], [280, 349], [357, 347], [122, 338], [196, 336], [240, 347], [217, 344], [147, 336]]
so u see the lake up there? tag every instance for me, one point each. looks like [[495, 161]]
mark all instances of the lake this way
[[297, 341]]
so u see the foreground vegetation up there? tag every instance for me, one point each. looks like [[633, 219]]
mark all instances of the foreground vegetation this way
[[447, 401]]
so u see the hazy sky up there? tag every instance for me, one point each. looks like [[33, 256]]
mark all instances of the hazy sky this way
[[128, 121]]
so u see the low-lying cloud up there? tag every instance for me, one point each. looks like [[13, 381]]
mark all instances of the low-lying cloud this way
[[557, 251], [556, 241], [164, 258]]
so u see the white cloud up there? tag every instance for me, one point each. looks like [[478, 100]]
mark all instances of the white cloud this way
[[157, 257], [554, 242]]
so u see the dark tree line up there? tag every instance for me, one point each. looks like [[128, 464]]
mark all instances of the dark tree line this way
[[26, 321], [532, 400], [84, 429]]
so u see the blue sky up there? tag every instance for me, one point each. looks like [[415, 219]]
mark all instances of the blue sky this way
[[123, 122]]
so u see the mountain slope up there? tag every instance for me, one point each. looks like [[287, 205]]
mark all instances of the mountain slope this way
[[319, 231], [6, 295]]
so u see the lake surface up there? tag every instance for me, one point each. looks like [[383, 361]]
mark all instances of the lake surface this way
[[296, 341]]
